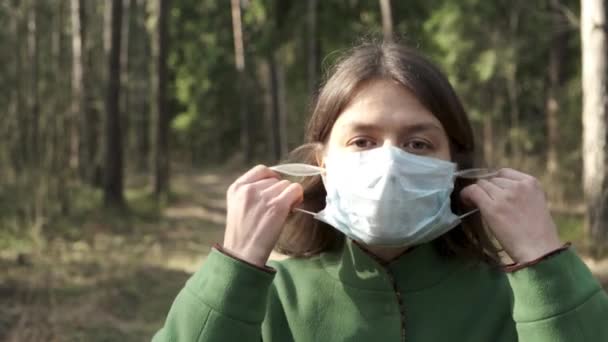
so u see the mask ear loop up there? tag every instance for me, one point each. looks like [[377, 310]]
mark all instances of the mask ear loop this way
[[476, 173], [299, 170], [304, 211], [469, 213]]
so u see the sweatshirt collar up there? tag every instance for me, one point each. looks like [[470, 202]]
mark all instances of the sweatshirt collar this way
[[419, 268]]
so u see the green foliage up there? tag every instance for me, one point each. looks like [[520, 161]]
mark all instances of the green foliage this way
[[494, 52], [201, 60], [570, 228]]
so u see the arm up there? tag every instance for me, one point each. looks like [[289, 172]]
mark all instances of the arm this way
[[224, 301], [559, 300], [556, 299]]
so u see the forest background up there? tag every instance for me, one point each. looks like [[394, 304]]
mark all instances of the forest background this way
[[122, 122]]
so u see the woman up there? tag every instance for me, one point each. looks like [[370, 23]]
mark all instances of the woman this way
[[395, 250]]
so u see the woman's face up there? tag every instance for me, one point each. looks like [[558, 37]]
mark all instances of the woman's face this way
[[384, 112]]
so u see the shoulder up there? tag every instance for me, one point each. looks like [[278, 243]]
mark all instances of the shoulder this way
[[297, 268], [300, 277], [483, 278]]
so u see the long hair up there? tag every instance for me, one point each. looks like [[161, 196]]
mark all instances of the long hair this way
[[306, 236]]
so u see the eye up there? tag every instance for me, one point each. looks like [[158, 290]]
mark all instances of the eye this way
[[418, 146], [361, 143]]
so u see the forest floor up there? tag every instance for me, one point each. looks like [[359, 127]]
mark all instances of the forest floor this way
[[106, 276]]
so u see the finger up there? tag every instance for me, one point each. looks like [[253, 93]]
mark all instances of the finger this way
[[276, 188], [503, 183], [493, 190], [291, 195], [251, 189], [264, 184], [257, 173], [513, 174], [475, 195]]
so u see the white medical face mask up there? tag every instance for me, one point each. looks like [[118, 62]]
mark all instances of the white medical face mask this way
[[386, 196]]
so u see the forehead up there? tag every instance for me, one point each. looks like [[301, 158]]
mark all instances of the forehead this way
[[386, 104]]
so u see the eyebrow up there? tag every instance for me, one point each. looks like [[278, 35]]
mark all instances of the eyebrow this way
[[413, 128]]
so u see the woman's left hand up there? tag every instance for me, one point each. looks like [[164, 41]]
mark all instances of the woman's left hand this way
[[514, 206]]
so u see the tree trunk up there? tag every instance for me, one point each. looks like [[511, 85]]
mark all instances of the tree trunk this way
[[557, 51], [107, 24], [125, 91], [161, 174], [515, 129], [512, 84], [32, 135], [32, 176], [387, 19], [282, 100], [265, 75], [488, 140], [60, 138], [89, 121], [141, 90], [278, 131], [278, 122], [113, 174], [275, 117], [77, 14], [239, 57], [313, 47], [18, 138], [595, 103]]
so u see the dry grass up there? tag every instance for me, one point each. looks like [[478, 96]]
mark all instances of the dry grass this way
[[102, 276]]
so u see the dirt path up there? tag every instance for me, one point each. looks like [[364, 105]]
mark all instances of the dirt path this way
[[112, 278]]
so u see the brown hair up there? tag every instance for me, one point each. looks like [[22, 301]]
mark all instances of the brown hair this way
[[306, 236]]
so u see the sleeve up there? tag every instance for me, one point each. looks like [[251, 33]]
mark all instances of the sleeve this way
[[225, 300], [559, 300]]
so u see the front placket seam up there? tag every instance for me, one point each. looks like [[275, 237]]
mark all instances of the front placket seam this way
[[400, 303]]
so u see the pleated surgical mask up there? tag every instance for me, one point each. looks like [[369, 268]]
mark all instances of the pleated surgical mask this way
[[386, 196]]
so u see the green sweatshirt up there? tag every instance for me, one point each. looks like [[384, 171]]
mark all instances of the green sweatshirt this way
[[347, 295]]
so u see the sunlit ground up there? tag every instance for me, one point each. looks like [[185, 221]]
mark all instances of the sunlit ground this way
[[103, 276]]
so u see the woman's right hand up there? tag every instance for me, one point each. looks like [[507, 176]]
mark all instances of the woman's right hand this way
[[258, 203]]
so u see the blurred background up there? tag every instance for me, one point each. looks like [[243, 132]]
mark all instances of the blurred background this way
[[124, 121]]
